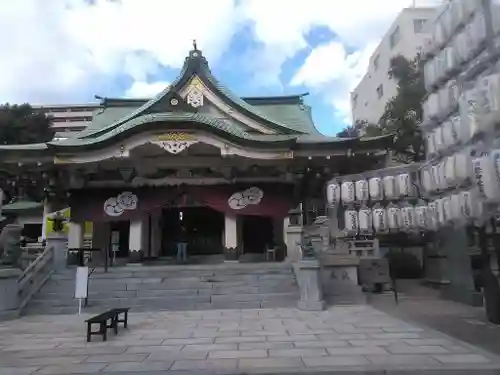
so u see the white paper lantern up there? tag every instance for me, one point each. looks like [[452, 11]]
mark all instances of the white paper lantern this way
[[393, 217], [404, 187], [442, 176], [421, 216], [466, 204], [469, 114], [380, 223], [471, 206], [463, 166], [489, 87], [375, 188], [347, 192], [427, 181], [449, 134], [351, 221], [449, 171], [365, 220], [432, 220], [447, 208], [389, 184], [438, 139], [440, 215], [333, 194], [435, 177], [485, 178], [495, 156], [456, 207], [431, 148], [408, 221], [362, 194]]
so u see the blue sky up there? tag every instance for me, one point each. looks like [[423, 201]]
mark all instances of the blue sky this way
[[65, 51]]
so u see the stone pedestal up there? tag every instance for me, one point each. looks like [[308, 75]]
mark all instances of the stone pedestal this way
[[339, 278], [293, 237], [9, 298], [309, 280], [454, 244], [58, 241]]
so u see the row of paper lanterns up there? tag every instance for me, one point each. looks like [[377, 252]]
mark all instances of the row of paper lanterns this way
[[454, 209], [450, 172], [374, 189]]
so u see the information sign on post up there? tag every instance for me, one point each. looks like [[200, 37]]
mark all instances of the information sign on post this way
[[81, 283]]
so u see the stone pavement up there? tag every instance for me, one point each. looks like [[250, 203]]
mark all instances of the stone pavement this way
[[423, 306], [343, 338]]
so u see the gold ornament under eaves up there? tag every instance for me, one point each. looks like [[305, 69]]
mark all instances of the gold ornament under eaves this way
[[195, 84], [177, 137]]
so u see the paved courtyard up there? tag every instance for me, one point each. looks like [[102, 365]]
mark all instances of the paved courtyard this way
[[348, 338]]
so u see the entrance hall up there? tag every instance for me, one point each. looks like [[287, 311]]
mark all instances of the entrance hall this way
[[204, 230]]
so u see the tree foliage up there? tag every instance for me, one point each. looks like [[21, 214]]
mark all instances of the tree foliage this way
[[21, 124], [403, 113]]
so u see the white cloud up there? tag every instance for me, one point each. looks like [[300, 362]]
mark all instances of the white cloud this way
[[329, 69], [141, 89], [67, 50]]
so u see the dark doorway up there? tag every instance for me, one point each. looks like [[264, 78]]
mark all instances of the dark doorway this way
[[257, 234], [119, 238], [204, 228]]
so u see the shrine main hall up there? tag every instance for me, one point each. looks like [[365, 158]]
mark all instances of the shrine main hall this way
[[231, 170]]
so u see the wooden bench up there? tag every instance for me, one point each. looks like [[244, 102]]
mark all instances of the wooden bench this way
[[124, 311], [108, 319]]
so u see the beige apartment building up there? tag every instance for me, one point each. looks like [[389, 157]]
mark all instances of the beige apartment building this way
[[69, 119], [405, 37]]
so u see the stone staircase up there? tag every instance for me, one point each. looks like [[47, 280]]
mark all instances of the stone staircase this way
[[190, 287]]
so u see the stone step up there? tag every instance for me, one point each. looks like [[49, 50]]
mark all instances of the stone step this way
[[54, 298], [177, 302], [226, 286], [99, 308], [225, 271]]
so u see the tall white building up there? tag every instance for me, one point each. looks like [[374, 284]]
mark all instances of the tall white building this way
[[405, 37]]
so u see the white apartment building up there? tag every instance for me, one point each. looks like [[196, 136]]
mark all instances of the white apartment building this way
[[68, 119], [405, 37]]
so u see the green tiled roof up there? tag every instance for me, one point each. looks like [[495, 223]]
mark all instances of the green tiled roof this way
[[294, 118], [149, 121], [287, 116]]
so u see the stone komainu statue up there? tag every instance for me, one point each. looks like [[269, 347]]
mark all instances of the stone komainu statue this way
[[10, 245]]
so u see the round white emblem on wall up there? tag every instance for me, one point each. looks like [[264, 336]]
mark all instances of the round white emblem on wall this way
[[115, 206], [112, 207], [241, 199], [127, 200]]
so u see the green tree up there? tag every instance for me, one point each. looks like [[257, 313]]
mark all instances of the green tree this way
[[22, 124], [403, 113], [360, 128]]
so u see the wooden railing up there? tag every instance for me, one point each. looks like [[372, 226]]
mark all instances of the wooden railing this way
[[34, 276]]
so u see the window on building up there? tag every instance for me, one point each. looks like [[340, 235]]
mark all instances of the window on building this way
[[375, 62], [395, 37], [418, 25], [380, 91]]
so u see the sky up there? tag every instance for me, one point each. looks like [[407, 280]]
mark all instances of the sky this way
[[67, 51]]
